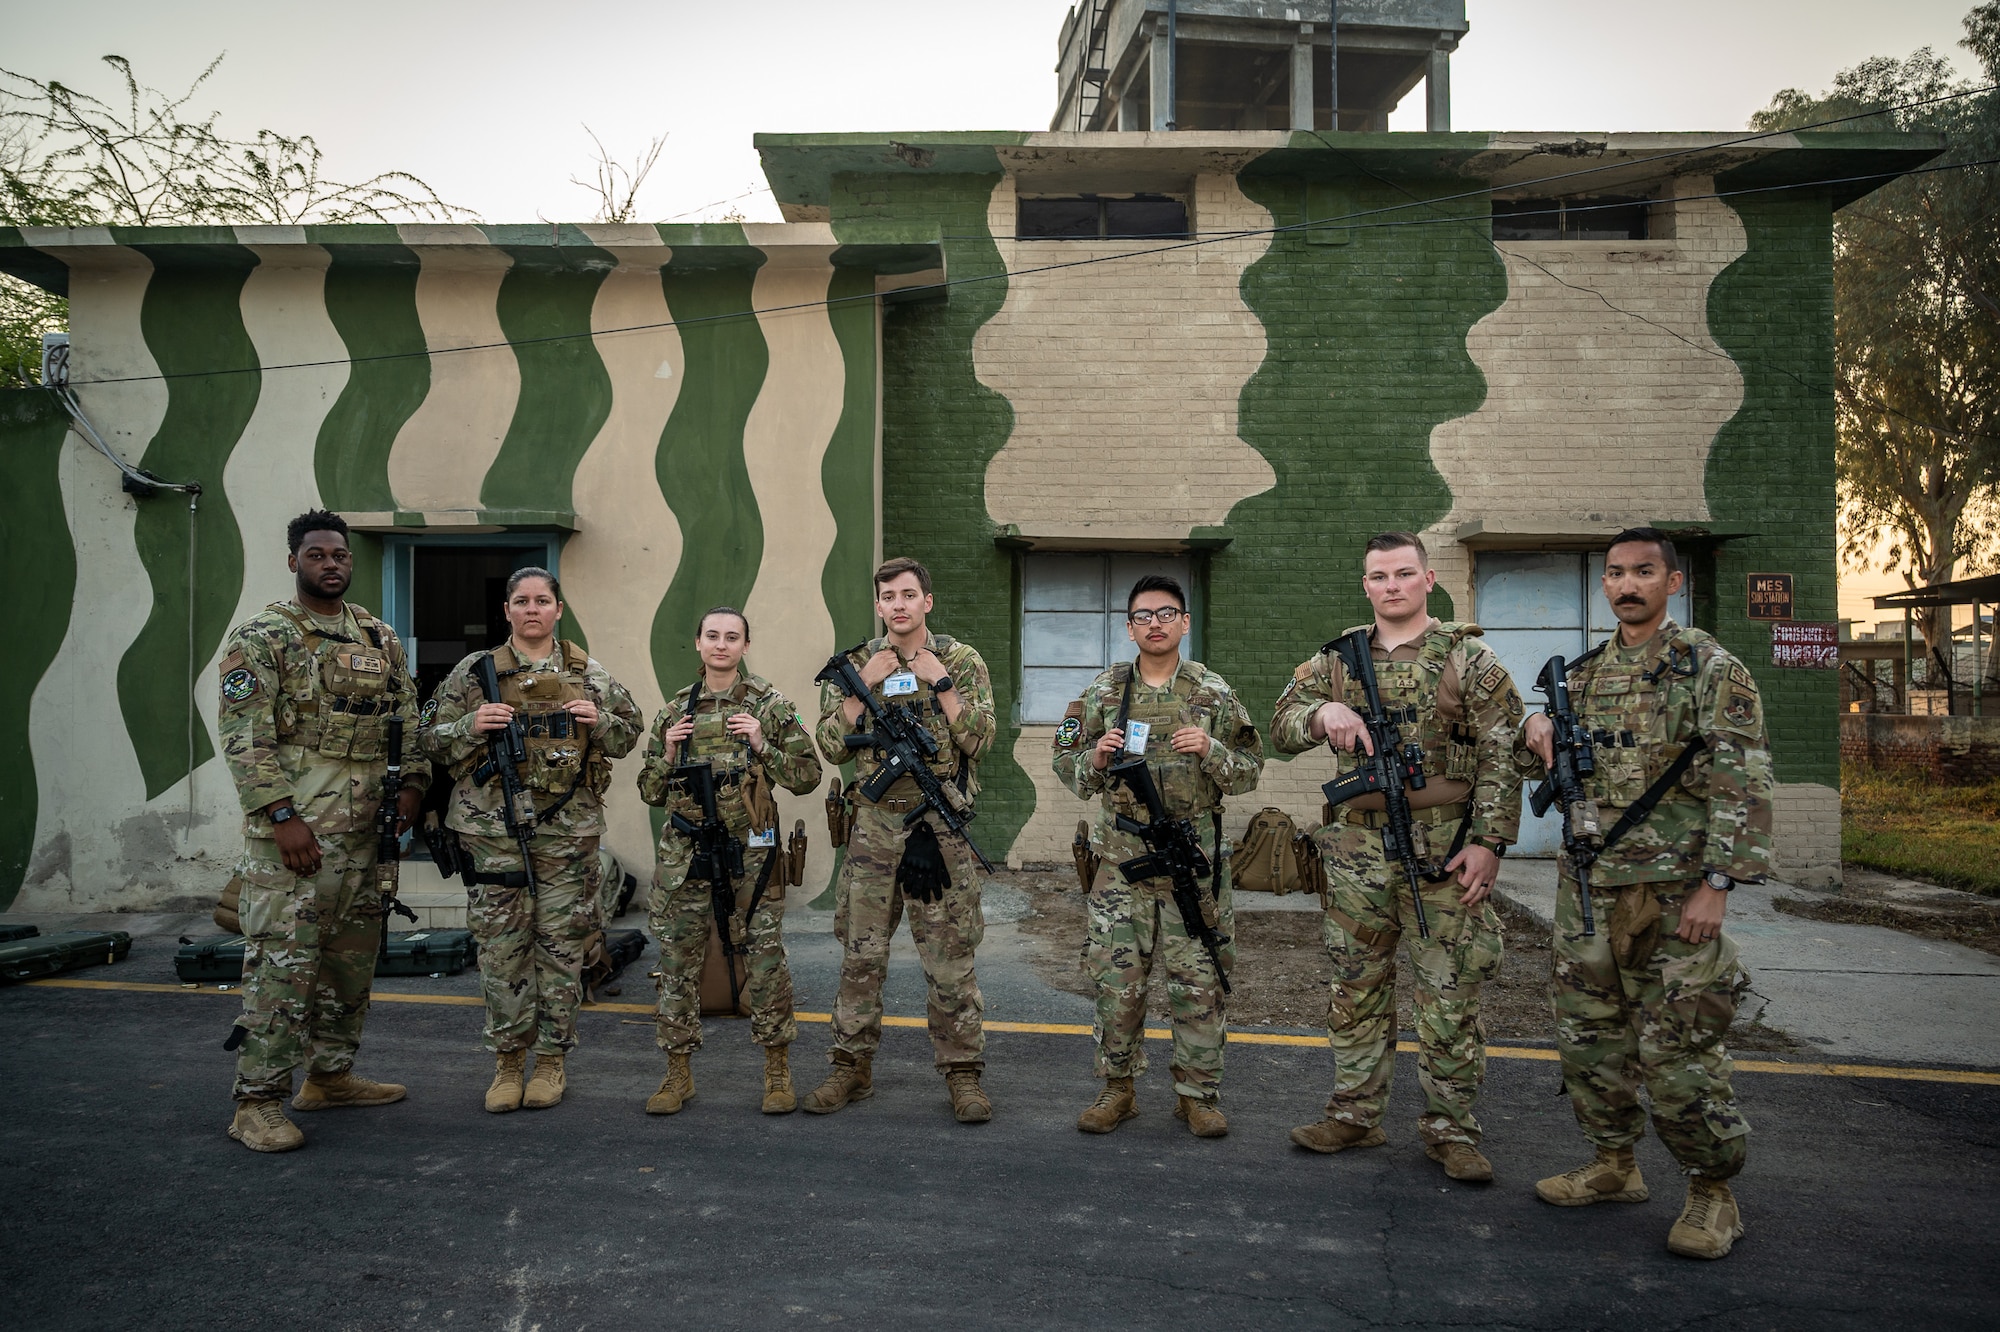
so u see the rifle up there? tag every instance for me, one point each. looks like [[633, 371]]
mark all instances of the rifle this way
[[506, 755], [1575, 759], [389, 843], [1393, 770], [907, 747], [1173, 849], [718, 855]]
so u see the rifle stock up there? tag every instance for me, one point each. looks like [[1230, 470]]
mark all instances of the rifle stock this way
[[1173, 852], [906, 747]]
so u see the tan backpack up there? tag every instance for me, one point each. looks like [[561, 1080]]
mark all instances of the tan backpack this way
[[1264, 861]]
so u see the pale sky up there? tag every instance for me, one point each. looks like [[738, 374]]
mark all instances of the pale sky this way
[[487, 102]]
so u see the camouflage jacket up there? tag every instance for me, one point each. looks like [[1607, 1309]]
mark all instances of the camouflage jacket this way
[[964, 741], [305, 699], [1191, 786], [1644, 705], [561, 760], [788, 759], [1460, 705]]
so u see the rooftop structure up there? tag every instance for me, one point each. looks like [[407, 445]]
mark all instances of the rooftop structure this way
[[1252, 64]]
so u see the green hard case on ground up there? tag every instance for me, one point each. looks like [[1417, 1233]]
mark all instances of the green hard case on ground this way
[[48, 954], [411, 953], [9, 933]]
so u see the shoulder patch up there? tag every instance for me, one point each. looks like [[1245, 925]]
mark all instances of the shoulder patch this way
[[1304, 672], [239, 685], [1739, 675], [1490, 679], [429, 712], [1069, 734]]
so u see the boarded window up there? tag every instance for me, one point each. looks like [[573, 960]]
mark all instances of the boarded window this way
[[1597, 218], [1093, 217]]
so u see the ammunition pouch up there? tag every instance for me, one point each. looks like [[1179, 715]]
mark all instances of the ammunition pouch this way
[[447, 852], [1312, 874]]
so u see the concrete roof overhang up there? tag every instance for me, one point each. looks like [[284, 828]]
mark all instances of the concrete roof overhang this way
[[899, 254], [801, 167]]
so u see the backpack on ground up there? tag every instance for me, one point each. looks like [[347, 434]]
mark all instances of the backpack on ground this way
[[1265, 860]]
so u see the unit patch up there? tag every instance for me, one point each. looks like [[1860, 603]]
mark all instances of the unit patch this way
[[1490, 680], [1741, 709], [429, 713], [1739, 675], [239, 685], [1069, 733]]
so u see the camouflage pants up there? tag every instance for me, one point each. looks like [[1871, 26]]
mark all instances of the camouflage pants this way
[[531, 944], [1130, 924], [681, 912], [1657, 1023], [308, 961], [868, 906], [1462, 954]]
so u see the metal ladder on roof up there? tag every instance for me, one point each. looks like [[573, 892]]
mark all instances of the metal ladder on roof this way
[[1094, 72]]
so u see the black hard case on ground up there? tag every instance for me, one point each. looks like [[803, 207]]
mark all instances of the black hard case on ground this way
[[411, 953], [48, 954]]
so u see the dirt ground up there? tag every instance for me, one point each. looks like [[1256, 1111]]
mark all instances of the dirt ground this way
[[1281, 970], [1868, 897]]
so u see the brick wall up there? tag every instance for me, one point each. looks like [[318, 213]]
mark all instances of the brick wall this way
[[1949, 749]]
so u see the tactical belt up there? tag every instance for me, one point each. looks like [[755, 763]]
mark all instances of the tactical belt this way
[[358, 707], [1430, 818], [890, 806], [511, 879]]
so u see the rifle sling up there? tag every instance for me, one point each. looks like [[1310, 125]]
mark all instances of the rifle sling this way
[[757, 893], [1641, 809]]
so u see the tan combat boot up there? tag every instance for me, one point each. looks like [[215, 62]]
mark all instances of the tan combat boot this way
[[1113, 1106], [1461, 1160], [323, 1091], [851, 1080], [505, 1093], [262, 1127], [676, 1089], [1203, 1119], [1337, 1135], [1612, 1177], [1710, 1223], [546, 1087], [969, 1105], [779, 1098]]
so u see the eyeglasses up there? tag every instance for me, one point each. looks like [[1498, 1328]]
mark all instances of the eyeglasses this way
[[1165, 615]]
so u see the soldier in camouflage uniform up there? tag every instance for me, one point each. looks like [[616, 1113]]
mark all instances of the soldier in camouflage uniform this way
[[944, 682], [1647, 998], [1201, 746], [751, 736], [532, 937], [1456, 700], [307, 686]]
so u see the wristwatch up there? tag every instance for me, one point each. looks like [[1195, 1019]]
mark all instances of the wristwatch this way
[[283, 814], [1719, 881], [943, 685], [1493, 844]]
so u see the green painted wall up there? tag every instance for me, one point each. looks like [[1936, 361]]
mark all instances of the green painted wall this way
[[847, 471], [1770, 471], [700, 464], [35, 544], [193, 326], [1366, 357], [940, 429], [371, 297]]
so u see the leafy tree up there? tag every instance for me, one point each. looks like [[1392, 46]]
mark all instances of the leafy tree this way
[[1917, 318], [68, 158]]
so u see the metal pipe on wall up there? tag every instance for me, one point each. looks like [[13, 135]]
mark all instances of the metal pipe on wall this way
[[1333, 65], [1173, 67]]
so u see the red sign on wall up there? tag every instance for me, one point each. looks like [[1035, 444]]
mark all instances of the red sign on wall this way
[[1809, 644]]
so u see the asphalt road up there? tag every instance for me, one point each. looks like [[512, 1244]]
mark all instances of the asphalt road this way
[[1867, 1200]]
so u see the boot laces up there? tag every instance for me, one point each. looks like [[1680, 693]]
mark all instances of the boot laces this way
[[268, 1114], [1700, 1203], [1107, 1098], [963, 1081]]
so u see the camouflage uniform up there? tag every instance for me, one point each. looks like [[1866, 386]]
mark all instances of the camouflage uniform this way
[[531, 944], [1462, 707], [1635, 1003], [680, 910], [868, 904], [1130, 922], [304, 700]]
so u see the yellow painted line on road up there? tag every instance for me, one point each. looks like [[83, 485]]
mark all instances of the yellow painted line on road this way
[[1964, 1077]]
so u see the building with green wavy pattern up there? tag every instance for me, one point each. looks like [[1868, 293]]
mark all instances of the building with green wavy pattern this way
[[1038, 362]]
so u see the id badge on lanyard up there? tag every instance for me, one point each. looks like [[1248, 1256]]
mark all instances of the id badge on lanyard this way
[[901, 684]]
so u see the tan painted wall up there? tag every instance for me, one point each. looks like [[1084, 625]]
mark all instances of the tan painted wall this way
[[443, 450], [1130, 368], [1565, 374]]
